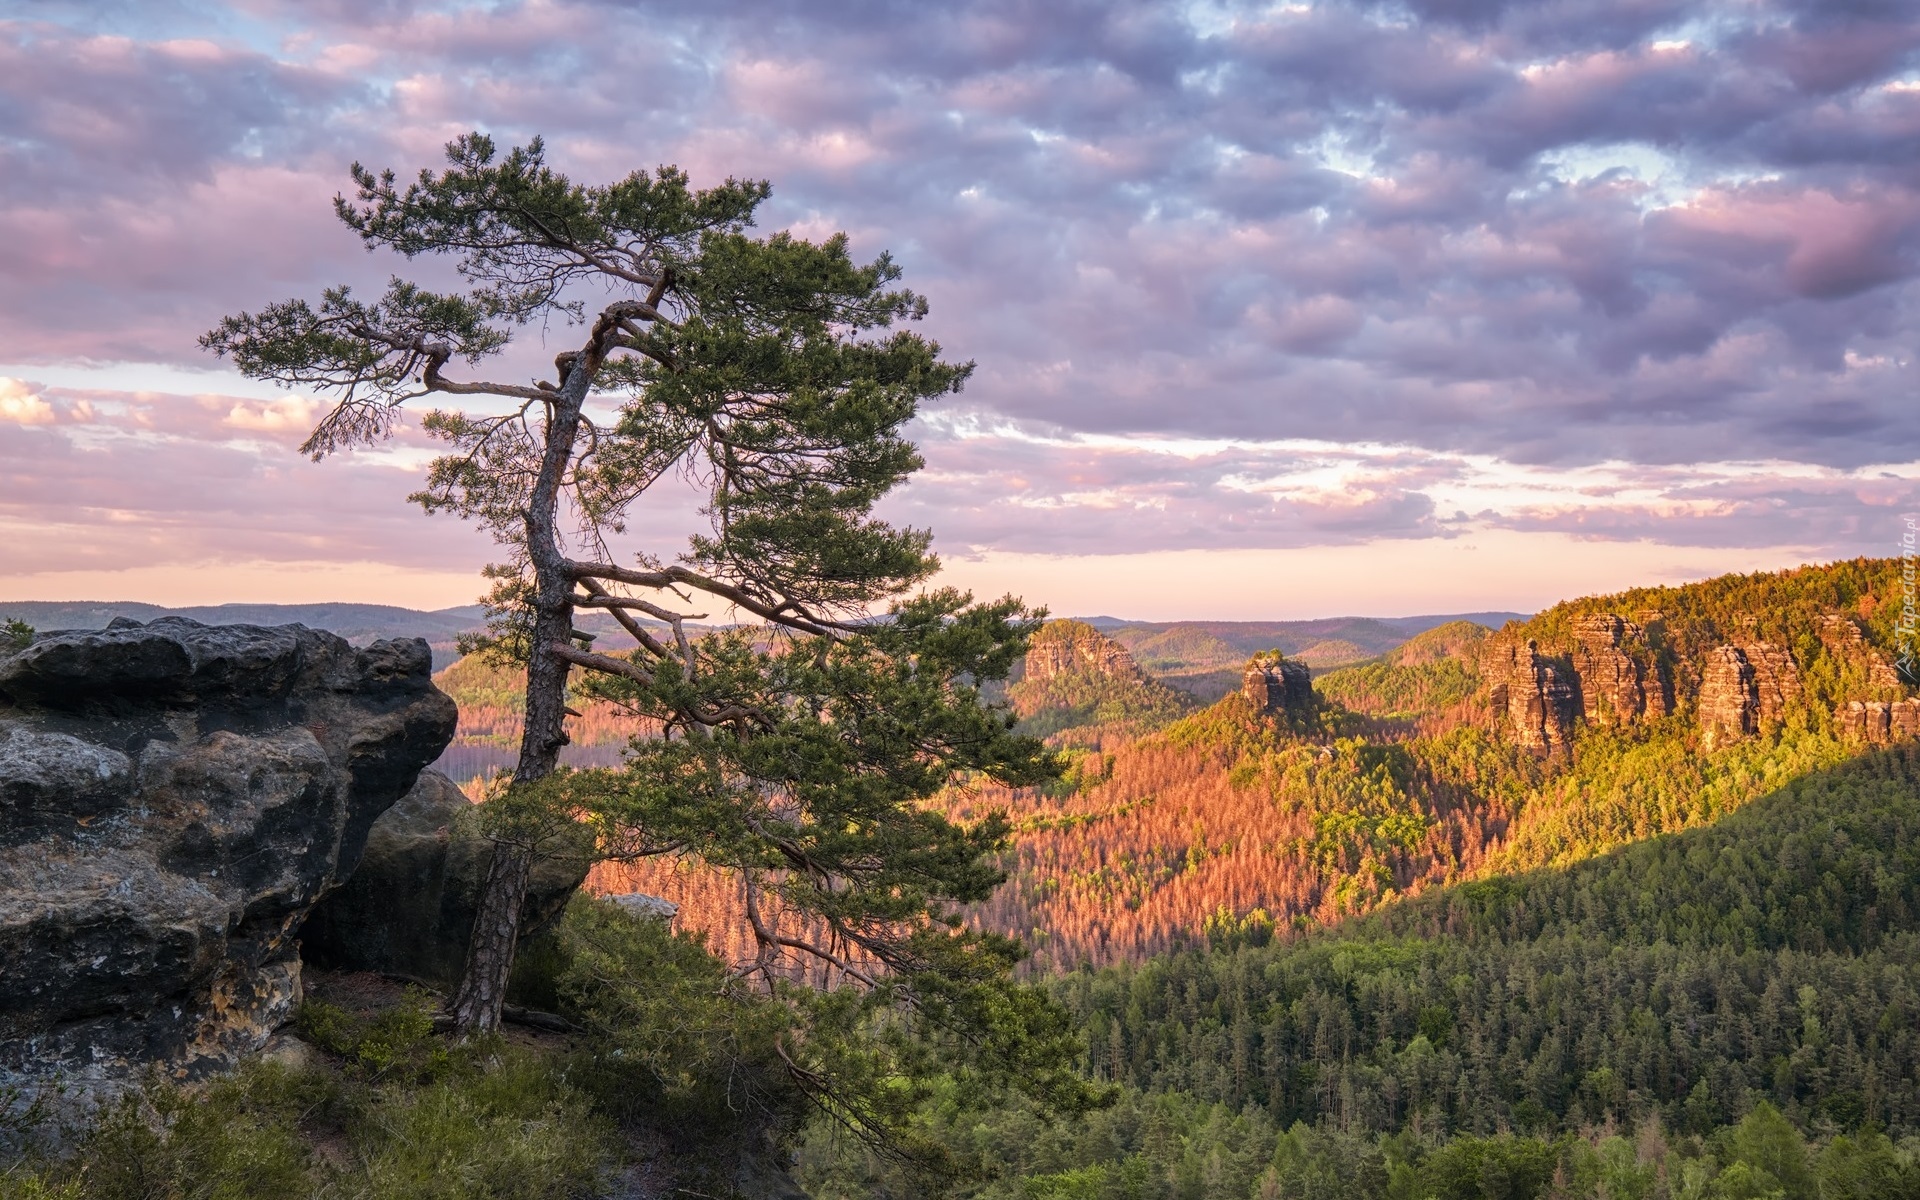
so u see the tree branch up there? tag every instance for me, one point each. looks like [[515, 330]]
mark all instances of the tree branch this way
[[603, 663], [600, 598], [768, 937], [786, 613]]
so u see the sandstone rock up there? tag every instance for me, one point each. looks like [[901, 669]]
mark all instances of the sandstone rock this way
[[409, 908], [1531, 699], [1776, 679], [1842, 634], [1880, 722], [1273, 683], [1615, 689], [1843, 638], [174, 797], [1064, 647], [1903, 719], [1729, 706], [1073, 675]]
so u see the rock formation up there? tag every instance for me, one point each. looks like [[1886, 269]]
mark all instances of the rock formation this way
[[1729, 707], [1615, 689], [1075, 676], [643, 905], [1532, 700], [1776, 680], [1068, 647], [409, 908], [1274, 683], [1843, 638], [174, 797], [1879, 722]]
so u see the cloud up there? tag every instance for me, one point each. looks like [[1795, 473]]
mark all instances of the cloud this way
[[993, 487], [21, 405], [1194, 249]]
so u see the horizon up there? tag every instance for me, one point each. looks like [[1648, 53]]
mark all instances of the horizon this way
[[1083, 617]]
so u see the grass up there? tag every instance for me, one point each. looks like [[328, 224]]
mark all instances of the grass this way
[[383, 1107]]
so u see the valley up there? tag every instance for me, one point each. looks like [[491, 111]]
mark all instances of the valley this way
[[1618, 900]]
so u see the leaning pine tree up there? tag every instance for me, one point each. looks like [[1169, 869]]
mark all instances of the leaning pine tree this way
[[800, 742]]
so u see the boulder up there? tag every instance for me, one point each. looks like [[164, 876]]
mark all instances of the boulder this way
[[174, 798], [409, 908], [640, 904]]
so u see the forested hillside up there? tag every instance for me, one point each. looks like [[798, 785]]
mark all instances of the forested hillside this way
[[492, 702], [1727, 1012], [1205, 657], [1419, 768], [1619, 901]]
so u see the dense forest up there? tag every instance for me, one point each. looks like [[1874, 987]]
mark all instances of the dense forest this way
[[1171, 822], [1672, 1019]]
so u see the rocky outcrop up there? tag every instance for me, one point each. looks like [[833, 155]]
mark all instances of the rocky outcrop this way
[[1776, 680], [174, 797], [1073, 647], [1274, 683], [409, 908], [1729, 706], [1843, 638], [1614, 687], [1880, 722], [644, 906], [1532, 700], [1074, 676]]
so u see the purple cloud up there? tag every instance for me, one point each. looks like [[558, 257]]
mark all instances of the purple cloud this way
[[1181, 241]]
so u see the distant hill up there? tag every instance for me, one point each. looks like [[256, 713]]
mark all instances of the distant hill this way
[[1205, 657], [358, 623]]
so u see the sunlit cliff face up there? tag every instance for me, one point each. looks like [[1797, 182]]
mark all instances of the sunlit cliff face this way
[[1278, 311]]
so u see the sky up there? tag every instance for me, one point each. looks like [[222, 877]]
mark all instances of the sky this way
[[1278, 311]]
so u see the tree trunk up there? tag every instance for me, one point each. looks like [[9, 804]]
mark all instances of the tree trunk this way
[[496, 933], [496, 926]]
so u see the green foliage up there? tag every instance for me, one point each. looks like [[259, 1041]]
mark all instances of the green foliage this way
[[1770, 956], [397, 1041], [674, 1038], [236, 1139], [477, 681], [679, 1038], [815, 794], [1496, 1168], [1395, 690], [16, 634], [408, 1118], [1171, 1147], [517, 1129]]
